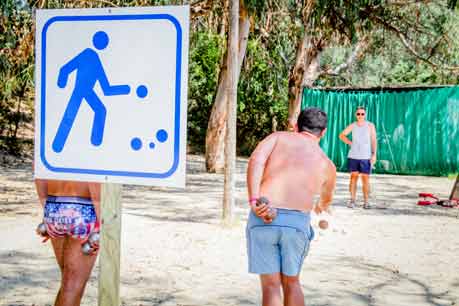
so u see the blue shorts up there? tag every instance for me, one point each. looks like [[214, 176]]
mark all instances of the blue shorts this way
[[359, 165], [280, 246]]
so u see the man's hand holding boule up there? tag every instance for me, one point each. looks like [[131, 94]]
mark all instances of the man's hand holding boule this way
[[320, 208], [261, 210]]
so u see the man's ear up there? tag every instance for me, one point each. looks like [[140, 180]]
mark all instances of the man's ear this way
[[322, 133]]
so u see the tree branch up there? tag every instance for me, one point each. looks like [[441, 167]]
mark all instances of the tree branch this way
[[200, 8], [409, 46], [356, 54], [108, 2], [408, 2]]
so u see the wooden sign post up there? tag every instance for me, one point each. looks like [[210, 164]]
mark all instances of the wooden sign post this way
[[110, 246], [137, 133]]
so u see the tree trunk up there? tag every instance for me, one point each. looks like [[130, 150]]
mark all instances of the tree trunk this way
[[294, 81], [307, 70], [230, 139], [312, 70], [216, 128], [304, 73]]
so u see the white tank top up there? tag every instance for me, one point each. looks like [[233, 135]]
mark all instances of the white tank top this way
[[361, 142]]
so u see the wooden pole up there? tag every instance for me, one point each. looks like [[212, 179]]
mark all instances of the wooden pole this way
[[230, 139], [109, 261]]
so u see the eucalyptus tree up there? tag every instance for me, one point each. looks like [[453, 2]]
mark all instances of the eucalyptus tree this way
[[216, 128]]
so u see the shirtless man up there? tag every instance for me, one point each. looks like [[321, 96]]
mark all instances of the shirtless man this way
[[71, 213], [289, 169]]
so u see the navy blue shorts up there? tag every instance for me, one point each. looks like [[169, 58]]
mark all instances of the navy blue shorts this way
[[359, 165]]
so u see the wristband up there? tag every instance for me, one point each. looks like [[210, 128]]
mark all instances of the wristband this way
[[253, 200]]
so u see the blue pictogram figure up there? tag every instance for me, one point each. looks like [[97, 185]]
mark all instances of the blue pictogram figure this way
[[89, 70]]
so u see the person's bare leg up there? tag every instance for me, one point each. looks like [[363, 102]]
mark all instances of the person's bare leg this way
[[293, 294], [365, 187], [76, 272], [58, 247], [271, 289], [353, 185]]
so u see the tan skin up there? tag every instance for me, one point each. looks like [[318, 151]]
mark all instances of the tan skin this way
[[74, 265], [289, 169], [355, 175]]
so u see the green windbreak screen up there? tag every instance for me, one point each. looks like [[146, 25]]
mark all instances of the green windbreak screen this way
[[417, 129]]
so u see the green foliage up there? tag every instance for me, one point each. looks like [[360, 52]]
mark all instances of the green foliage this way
[[263, 86], [16, 73], [431, 29], [277, 25], [262, 96], [343, 19], [205, 56]]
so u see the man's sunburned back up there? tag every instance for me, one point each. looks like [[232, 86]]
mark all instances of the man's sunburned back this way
[[68, 189], [294, 172]]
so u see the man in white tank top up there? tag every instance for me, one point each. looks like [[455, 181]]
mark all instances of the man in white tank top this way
[[362, 154]]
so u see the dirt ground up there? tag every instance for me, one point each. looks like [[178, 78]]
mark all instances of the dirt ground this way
[[175, 251]]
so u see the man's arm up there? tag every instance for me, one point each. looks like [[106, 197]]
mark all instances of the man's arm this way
[[94, 191], [255, 169], [328, 188], [65, 71], [111, 90], [374, 144], [41, 186], [344, 133], [257, 163]]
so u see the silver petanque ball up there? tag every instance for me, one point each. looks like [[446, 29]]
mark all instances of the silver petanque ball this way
[[41, 229], [94, 238], [86, 248], [262, 200]]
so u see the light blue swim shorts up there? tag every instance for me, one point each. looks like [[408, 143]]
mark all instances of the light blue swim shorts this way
[[280, 246]]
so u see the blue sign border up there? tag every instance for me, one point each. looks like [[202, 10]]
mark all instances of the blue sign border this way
[[168, 17]]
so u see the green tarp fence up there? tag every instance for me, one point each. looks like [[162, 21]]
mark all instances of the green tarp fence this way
[[417, 128]]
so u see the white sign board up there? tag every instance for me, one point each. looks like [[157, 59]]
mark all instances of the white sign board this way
[[111, 90]]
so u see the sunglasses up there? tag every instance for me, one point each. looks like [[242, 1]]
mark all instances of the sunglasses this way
[[360, 114]]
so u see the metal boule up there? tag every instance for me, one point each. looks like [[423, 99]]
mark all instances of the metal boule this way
[[94, 238], [86, 248], [272, 213], [323, 224], [262, 200], [41, 229]]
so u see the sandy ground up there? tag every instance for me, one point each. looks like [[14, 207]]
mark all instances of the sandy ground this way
[[175, 252]]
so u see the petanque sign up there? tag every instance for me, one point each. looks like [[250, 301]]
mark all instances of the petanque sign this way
[[111, 90]]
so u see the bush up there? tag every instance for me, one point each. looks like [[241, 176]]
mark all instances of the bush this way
[[205, 56], [16, 74], [262, 96]]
